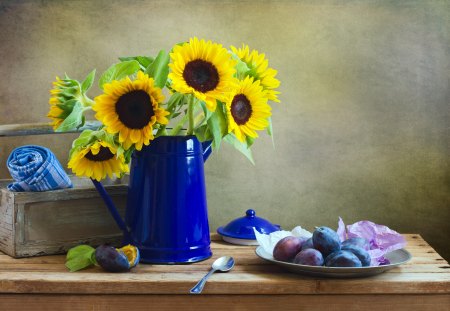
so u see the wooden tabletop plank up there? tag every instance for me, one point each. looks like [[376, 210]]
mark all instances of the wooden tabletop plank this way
[[406, 268], [426, 273], [237, 283], [217, 302]]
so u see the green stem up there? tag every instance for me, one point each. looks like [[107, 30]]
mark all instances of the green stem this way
[[179, 125], [86, 108], [86, 101], [190, 113], [199, 119], [161, 131]]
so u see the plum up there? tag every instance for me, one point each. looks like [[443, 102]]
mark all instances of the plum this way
[[117, 260], [310, 257], [342, 259], [287, 248], [308, 244], [326, 240], [358, 242], [359, 252]]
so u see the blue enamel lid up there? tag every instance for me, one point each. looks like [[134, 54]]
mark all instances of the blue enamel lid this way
[[242, 228]]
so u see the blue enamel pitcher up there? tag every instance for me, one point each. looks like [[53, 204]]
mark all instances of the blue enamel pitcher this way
[[166, 214]]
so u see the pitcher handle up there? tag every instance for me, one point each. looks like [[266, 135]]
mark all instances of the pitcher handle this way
[[207, 149], [111, 207]]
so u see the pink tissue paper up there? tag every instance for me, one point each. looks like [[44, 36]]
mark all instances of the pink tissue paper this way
[[382, 239]]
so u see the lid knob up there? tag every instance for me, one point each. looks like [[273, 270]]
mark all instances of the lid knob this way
[[250, 213]]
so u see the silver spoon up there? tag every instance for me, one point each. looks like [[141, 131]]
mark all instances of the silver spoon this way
[[224, 264]]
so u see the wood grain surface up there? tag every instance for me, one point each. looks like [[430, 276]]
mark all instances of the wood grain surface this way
[[51, 222], [40, 129], [423, 282]]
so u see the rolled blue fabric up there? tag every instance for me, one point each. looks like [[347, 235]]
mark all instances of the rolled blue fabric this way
[[35, 168]]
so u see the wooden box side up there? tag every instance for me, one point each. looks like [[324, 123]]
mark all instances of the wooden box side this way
[[7, 221], [51, 222]]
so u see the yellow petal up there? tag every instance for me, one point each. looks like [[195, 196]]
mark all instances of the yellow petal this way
[[135, 135]]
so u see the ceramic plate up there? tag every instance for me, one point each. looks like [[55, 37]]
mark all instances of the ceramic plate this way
[[396, 258]]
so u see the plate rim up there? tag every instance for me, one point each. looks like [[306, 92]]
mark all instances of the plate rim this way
[[334, 270]]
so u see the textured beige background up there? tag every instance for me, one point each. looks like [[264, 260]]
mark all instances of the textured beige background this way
[[362, 131]]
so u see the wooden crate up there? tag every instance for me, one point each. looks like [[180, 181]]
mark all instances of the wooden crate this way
[[51, 222]]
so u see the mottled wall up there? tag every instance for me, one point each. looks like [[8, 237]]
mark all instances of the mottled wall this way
[[362, 130]]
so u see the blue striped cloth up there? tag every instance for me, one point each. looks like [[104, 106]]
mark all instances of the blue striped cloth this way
[[35, 168]]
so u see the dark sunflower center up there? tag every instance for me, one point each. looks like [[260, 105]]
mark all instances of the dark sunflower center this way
[[201, 75], [241, 110], [135, 109], [103, 155]]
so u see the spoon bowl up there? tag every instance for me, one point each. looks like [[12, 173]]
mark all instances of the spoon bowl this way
[[223, 264]]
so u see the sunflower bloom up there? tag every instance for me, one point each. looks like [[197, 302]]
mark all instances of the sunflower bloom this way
[[247, 109], [55, 113], [62, 97], [204, 69], [98, 160], [259, 70], [131, 108]]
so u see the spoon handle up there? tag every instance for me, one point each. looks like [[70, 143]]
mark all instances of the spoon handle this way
[[197, 289]]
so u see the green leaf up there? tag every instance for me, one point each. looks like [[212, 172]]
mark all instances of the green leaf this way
[[250, 141], [68, 105], [127, 58], [120, 151], [85, 136], [174, 101], [242, 147], [82, 140], [64, 113], [217, 124], [159, 69], [119, 71], [71, 82], [144, 61], [69, 92], [241, 67], [203, 133], [93, 259], [252, 73], [87, 83], [206, 112], [109, 138], [74, 120], [127, 154], [79, 250], [80, 257], [270, 131]]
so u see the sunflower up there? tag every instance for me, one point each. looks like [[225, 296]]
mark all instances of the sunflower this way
[[247, 109], [131, 108], [204, 69], [55, 113], [258, 65], [97, 160], [63, 91]]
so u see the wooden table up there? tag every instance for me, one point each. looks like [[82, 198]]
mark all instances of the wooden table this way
[[43, 283]]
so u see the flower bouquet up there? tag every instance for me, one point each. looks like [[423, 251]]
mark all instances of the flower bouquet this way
[[212, 93]]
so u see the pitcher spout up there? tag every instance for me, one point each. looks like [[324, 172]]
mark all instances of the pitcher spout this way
[[112, 208]]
